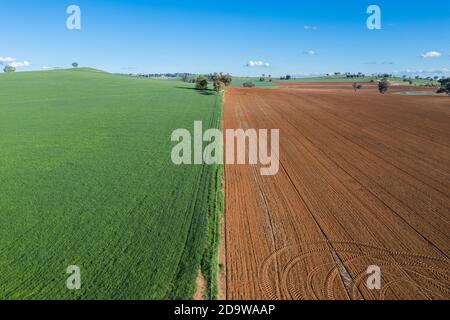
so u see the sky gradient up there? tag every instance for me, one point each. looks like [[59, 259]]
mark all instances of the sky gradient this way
[[293, 37]]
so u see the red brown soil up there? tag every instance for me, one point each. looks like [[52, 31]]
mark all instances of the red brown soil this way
[[364, 180]]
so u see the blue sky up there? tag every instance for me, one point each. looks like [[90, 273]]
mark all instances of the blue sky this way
[[206, 36]]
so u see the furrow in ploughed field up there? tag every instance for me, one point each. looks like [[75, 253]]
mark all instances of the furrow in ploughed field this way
[[355, 188]]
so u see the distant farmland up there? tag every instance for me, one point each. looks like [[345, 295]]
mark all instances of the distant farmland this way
[[239, 81], [87, 180]]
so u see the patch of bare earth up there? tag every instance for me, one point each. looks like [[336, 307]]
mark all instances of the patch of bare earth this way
[[201, 287], [364, 180]]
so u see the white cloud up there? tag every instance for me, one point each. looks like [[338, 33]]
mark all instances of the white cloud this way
[[50, 68], [308, 28], [253, 64], [6, 60], [20, 64], [10, 61], [310, 53], [431, 54]]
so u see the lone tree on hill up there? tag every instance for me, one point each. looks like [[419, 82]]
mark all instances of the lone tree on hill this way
[[75, 64], [201, 83], [384, 85], [8, 69]]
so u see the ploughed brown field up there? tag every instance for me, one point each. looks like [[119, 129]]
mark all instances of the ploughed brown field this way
[[364, 180]]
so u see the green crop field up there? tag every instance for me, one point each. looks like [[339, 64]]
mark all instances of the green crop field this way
[[87, 180]]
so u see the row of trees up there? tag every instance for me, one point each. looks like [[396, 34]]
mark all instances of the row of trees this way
[[427, 78], [219, 80], [384, 85], [187, 77], [359, 75], [263, 78], [354, 75]]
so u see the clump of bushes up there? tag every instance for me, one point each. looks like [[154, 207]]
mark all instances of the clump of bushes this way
[[357, 86], [288, 77], [201, 83], [248, 84], [226, 79], [409, 81], [220, 81], [384, 85], [219, 86], [445, 86]]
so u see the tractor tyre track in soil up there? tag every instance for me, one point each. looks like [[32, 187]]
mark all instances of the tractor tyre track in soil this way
[[363, 180]]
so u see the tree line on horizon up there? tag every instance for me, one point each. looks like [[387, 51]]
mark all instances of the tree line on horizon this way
[[219, 81]]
